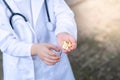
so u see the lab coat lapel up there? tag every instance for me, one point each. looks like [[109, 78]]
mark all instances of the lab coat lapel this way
[[36, 7]]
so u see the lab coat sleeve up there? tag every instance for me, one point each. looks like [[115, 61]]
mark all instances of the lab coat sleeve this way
[[65, 21], [9, 43]]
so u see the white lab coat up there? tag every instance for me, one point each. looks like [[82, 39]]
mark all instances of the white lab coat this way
[[18, 63]]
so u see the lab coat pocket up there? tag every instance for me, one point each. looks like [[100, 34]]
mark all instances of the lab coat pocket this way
[[26, 68]]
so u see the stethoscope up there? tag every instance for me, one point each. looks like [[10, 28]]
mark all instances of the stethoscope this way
[[19, 14]]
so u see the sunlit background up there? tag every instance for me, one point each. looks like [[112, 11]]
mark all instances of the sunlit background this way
[[98, 54]]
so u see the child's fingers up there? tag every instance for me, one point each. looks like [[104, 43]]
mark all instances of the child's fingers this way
[[53, 47], [74, 46], [50, 59]]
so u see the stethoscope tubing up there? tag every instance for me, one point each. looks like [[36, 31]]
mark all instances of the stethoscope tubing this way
[[19, 14], [47, 11], [13, 14]]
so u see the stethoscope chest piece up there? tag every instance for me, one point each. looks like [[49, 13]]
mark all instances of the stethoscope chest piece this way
[[50, 26]]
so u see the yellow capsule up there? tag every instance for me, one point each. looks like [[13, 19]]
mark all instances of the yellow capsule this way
[[66, 45], [69, 44]]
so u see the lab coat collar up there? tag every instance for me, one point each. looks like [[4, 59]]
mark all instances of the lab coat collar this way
[[36, 7]]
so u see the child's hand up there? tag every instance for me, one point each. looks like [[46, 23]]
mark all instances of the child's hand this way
[[66, 42], [44, 51]]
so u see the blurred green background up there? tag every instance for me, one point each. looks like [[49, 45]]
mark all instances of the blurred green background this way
[[97, 56]]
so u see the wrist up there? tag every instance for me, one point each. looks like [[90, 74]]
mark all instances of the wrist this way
[[34, 49]]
